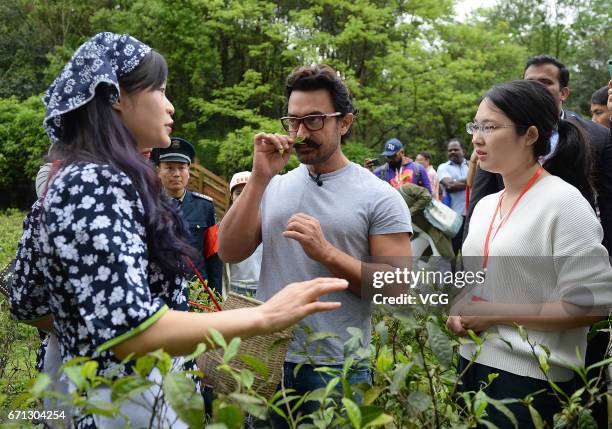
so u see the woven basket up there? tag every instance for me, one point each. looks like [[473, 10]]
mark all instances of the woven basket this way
[[6, 277], [270, 349]]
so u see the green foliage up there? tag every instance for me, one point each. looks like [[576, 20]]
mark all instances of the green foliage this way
[[18, 346], [415, 385], [23, 144], [183, 397], [414, 389], [11, 222], [357, 152], [576, 32], [415, 73], [440, 344], [18, 342], [20, 48]]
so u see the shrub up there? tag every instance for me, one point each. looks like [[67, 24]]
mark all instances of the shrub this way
[[23, 145]]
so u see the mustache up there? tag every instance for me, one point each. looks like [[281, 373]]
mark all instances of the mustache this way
[[309, 143]]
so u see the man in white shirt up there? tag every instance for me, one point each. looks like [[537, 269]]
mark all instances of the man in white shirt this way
[[452, 178]]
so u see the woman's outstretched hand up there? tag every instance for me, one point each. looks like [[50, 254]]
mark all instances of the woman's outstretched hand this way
[[180, 332], [297, 300]]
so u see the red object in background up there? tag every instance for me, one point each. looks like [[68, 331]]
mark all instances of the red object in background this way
[[212, 245]]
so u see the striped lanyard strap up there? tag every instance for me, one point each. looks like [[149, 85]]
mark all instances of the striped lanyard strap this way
[[529, 184]]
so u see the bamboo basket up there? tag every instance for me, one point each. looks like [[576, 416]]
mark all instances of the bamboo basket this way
[[271, 349], [6, 277]]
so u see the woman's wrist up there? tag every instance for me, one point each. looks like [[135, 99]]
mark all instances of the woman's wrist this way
[[259, 322]]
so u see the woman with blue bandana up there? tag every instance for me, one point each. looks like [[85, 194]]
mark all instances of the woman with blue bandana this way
[[101, 259]]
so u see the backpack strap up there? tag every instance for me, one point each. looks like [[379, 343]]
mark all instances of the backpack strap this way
[[383, 171], [417, 173]]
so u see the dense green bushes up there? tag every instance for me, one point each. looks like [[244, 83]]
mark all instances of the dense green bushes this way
[[415, 386], [412, 355], [23, 144], [18, 342]]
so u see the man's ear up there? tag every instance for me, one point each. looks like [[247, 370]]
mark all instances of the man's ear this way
[[532, 135], [565, 92], [345, 123]]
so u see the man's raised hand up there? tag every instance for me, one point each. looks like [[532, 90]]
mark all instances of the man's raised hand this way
[[271, 154]]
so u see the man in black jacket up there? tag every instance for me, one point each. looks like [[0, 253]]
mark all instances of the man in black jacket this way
[[555, 76], [198, 210]]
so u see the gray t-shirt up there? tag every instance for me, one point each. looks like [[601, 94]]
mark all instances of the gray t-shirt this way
[[351, 205]]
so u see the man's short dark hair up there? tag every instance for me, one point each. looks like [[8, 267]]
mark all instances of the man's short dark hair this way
[[564, 75], [322, 76], [425, 155], [600, 96], [454, 140]]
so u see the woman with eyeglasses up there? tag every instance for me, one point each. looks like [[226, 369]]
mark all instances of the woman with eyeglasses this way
[[539, 245], [102, 263]]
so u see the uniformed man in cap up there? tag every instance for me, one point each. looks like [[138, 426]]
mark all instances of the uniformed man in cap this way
[[198, 210]]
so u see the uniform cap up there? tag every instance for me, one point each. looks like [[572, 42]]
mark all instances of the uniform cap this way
[[180, 150]]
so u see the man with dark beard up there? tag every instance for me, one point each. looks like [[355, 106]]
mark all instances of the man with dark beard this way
[[321, 219], [399, 169]]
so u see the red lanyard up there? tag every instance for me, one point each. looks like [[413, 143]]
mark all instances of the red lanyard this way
[[523, 192]]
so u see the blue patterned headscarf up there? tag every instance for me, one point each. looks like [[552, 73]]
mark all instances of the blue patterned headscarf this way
[[105, 58]]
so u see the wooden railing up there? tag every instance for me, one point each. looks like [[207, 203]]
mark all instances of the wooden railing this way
[[206, 182]]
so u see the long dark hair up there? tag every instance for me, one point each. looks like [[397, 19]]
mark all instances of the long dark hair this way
[[95, 133], [528, 103]]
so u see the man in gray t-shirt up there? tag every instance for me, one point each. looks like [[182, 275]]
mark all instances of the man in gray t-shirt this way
[[351, 205], [319, 220]]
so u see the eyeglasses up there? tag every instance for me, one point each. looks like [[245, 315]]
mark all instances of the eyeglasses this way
[[291, 124], [486, 129]]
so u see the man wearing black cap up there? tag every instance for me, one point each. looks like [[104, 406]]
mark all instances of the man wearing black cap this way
[[198, 210]]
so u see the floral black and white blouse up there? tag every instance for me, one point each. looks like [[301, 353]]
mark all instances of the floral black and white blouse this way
[[86, 263], [29, 299]]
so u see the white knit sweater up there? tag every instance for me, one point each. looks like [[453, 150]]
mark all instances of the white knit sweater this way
[[548, 246]]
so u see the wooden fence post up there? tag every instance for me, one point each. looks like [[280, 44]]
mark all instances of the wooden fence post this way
[[206, 182]]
